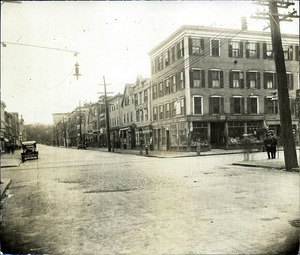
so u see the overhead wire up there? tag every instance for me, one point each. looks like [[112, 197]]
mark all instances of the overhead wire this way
[[207, 51]]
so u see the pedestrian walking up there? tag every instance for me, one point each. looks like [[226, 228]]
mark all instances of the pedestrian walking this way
[[273, 146], [247, 146], [267, 143]]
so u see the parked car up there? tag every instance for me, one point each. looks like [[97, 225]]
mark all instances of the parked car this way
[[81, 145], [29, 150]]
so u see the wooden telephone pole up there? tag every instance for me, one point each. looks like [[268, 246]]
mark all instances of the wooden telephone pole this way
[[290, 155], [106, 114]]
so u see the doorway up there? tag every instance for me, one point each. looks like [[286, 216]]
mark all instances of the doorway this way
[[158, 139], [168, 139], [217, 135]]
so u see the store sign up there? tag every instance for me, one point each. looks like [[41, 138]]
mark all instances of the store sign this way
[[244, 117], [212, 117]]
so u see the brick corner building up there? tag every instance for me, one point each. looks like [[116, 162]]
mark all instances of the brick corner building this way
[[212, 85]]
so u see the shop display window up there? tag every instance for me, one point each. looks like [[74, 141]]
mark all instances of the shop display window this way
[[235, 132]]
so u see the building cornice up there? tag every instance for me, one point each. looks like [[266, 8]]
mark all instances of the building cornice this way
[[221, 33]]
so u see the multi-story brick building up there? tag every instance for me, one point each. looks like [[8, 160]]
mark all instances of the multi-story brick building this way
[[93, 133], [142, 107], [127, 122], [77, 128], [135, 114], [214, 85], [115, 109]]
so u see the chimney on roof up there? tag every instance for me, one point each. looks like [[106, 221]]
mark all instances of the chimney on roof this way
[[244, 23]]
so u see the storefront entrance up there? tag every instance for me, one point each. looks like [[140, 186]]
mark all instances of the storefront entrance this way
[[168, 139], [217, 135]]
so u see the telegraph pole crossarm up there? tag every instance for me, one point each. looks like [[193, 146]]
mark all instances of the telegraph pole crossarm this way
[[290, 155]]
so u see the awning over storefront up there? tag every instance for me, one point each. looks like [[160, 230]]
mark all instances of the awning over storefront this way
[[123, 129]]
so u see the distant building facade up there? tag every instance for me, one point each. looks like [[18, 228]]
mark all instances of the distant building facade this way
[[115, 113]]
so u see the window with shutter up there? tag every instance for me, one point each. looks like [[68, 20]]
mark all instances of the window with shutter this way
[[161, 112], [215, 45], [268, 51], [173, 55], [173, 83], [215, 105], [167, 58], [252, 105], [167, 86], [221, 80], [215, 79], [197, 105], [236, 105], [269, 81], [196, 46], [196, 78], [182, 85], [155, 113], [252, 50], [182, 106]]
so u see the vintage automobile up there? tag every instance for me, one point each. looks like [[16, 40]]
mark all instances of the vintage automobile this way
[[81, 145], [29, 150]]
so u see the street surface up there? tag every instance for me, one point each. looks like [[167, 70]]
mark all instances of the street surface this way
[[90, 202]]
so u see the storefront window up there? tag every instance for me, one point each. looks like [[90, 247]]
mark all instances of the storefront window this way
[[235, 132], [199, 133], [182, 134], [253, 127]]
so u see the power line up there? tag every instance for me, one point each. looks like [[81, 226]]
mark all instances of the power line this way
[[206, 52], [38, 46]]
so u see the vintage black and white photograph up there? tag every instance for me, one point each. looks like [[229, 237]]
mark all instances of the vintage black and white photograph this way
[[150, 127]]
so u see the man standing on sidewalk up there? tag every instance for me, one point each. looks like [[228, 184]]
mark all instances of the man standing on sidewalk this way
[[268, 144], [273, 145]]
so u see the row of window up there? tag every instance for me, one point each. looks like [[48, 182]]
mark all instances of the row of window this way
[[216, 106], [114, 122], [211, 47], [237, 79], [141, 97], [168, 57], [170, 85]]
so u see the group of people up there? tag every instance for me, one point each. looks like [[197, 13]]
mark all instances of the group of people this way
[[270, 143]]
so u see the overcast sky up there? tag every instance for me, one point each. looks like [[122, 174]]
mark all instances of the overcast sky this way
[[113, 38]]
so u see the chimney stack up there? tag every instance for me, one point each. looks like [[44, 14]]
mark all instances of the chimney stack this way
[[244, 23]]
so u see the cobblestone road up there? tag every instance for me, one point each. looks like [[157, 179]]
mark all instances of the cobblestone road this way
[[88, 202]]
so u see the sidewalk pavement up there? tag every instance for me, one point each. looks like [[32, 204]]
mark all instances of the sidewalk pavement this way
[[9, 160], [275, 164], [263, 163], [169, 154], [266, 163]]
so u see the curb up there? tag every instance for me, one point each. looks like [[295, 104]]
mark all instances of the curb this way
[[4, 186], [5, 166], [260, 166], [178, 156]]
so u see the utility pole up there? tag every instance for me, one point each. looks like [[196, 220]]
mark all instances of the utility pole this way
[[290, 155], [65, 131], [106, 116], [80, 120]]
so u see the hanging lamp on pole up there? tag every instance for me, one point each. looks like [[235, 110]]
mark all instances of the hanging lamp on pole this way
[[77, 74]]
